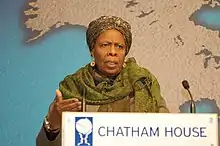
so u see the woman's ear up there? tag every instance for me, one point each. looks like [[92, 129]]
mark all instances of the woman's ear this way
[[92, 53]]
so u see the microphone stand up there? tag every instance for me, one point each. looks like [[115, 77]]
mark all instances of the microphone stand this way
[[84, 101], [192, 103]]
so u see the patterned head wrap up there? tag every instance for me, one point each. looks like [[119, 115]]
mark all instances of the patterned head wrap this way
[[104, 23]]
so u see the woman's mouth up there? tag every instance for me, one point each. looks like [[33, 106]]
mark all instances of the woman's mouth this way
[[111, 64]]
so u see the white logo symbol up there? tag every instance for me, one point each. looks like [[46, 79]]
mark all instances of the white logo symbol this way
[[84, 127]]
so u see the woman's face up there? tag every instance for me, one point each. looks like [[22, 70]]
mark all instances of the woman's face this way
[[109, 52]]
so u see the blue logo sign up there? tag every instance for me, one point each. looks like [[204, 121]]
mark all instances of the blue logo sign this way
[[83, 131]]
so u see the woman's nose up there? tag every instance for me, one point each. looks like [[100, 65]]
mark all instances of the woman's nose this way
[[112, 51]]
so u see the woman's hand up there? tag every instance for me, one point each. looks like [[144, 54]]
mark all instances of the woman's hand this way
[[58, 106]]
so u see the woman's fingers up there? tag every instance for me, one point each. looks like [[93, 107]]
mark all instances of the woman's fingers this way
[[68, 101], [75, 106]]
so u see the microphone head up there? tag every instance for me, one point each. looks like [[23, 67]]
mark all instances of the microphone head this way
[[185, 84]]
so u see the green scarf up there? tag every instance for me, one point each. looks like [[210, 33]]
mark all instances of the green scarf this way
[[146, 96]]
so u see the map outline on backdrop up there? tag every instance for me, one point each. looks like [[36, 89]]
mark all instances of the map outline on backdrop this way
[[52, 21]]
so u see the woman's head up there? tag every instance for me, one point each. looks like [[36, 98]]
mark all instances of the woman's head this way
[[109, 40]]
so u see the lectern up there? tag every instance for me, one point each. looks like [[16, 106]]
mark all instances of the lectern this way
[[139, 129]]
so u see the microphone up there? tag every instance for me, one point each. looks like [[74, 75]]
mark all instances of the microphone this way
[[192, 102]]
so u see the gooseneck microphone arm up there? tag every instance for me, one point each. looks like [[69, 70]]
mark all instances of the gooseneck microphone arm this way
[[192, 102], [84, 100]]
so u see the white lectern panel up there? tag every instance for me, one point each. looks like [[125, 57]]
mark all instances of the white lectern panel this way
[[139, 129]]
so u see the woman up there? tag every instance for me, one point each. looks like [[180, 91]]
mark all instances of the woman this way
[[108, 84]]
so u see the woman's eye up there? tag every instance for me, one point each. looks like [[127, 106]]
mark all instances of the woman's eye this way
[[119, 46], [104, 45]]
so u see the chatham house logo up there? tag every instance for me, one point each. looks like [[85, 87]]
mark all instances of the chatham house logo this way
[[83, 131]]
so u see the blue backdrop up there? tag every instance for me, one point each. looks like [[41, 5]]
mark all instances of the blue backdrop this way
[[30, 72]]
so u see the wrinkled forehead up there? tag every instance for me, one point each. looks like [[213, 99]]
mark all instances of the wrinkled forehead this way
[[111, 34]]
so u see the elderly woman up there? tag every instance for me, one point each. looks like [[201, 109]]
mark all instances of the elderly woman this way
[[110, 83]]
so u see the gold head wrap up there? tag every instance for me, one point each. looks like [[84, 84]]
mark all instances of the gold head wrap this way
[[104, 23]]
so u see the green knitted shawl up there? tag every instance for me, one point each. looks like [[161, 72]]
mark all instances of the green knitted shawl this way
[[146, 95]]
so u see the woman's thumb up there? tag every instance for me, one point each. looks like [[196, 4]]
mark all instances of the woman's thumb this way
[[58, 95]]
